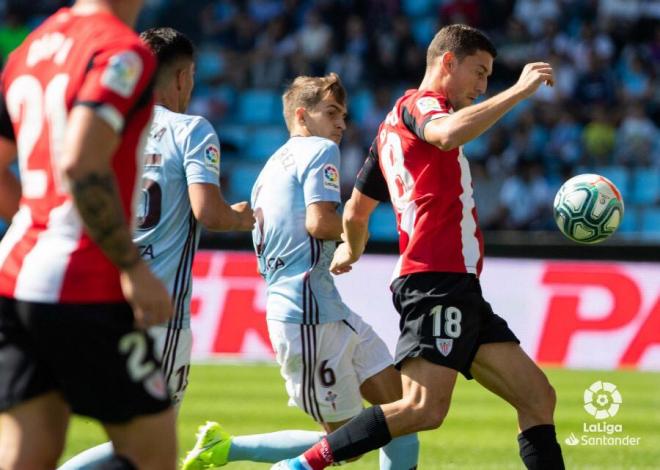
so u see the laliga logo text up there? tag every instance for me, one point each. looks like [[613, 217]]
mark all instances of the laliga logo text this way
[[602, 400]]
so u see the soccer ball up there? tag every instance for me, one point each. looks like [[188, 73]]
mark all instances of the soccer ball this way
[[588, 208]]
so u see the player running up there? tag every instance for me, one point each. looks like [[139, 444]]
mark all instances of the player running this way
[[417, 162], [180, 194], [330, 358], [76, 100]]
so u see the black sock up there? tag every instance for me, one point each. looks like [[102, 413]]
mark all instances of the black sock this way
[[117, 462], [539, 449], [367, 431]]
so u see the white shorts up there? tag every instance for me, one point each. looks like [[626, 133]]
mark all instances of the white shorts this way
[[173, 348], [324, 365]]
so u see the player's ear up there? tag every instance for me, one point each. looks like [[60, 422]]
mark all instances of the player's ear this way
[[180, 78], [448, 61], [300, 115]]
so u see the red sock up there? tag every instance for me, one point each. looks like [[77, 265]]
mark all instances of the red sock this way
[[319, 456]]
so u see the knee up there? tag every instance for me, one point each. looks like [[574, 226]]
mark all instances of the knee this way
[[425, 416], [540, 405]]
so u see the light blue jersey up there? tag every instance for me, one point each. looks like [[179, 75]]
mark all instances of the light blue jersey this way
[[181, 150], [294, 264]]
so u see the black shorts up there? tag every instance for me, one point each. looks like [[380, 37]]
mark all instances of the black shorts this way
[[444, 319], [91, 353]]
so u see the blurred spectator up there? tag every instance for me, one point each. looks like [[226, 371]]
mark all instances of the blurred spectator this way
[[486, 196], [564, 150], [314, 43], [525, 198], [598, 137], [636, 138], [535, 13], [460, 11], [597, 85]]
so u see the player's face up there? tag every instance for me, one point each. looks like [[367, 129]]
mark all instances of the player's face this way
[[187, 85], [327, 119], [469, 79]]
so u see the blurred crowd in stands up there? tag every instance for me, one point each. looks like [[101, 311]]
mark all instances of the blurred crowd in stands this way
[[602, 116]]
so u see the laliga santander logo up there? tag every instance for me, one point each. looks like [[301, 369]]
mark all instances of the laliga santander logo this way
[[331, 173], [602, 400]]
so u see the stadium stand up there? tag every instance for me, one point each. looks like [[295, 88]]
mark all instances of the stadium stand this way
[[601, 117]]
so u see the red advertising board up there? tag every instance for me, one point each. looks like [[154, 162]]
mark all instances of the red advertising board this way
[[575, 314]]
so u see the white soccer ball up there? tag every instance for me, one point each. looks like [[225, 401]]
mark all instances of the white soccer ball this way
[[588, 208]]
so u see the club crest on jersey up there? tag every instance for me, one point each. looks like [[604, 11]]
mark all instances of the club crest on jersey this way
[[428, 104], [330, 177], [122, 73], [444, 345], [212, 158]]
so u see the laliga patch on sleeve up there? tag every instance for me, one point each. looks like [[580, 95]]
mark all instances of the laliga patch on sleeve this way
[[122, 73], [212, 158], [428, 104], [330, 177]]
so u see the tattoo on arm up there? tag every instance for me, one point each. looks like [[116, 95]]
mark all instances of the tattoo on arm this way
[[97, 198]]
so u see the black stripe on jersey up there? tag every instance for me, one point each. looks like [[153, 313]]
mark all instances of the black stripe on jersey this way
[[411, 123], [179, 293], [370, 180], [304, 374], [350, 326], [315, 401], [310, 402]]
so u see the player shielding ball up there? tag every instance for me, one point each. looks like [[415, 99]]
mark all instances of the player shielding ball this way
[[416, 161], [180, 194], [76, 100], [330, 358]]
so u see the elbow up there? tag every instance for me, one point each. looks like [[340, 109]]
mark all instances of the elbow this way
[[446, 141], [314, 229], [205, 219], [444, 138]]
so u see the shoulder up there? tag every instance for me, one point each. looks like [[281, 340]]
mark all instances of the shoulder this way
[[188, 126], [425, 102], [317, 148]]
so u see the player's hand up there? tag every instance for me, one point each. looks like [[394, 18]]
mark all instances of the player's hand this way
[[533, 75], [147, 295], [342, 260], [245, 216]]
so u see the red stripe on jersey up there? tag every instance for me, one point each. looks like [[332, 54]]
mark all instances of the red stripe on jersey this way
[[430, 189], [11, 268]]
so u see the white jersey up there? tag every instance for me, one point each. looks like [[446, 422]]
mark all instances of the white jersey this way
[[294, 264], [181, 150]]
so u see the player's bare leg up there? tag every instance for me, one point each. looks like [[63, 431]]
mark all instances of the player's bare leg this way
[[33, 433], [148, 441], [427, 390], [506, 370]]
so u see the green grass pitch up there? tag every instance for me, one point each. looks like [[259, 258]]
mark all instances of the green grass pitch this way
[[479, 432]]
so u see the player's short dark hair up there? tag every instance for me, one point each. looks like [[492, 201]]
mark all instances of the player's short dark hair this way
[[168, 45], [307, 92], [460, 39]]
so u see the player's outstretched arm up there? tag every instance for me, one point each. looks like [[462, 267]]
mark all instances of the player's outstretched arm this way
[[10, 188], [86, 164], [357, 211], [212, 211], [470, 122]]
